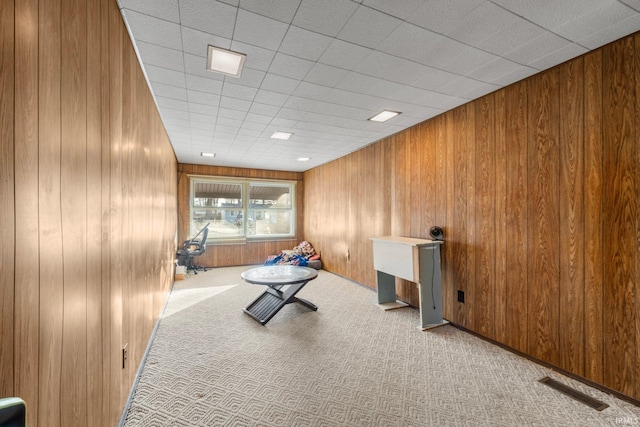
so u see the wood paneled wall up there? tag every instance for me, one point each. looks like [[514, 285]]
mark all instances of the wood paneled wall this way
[[89, 210], [224, 255], [537, 187]]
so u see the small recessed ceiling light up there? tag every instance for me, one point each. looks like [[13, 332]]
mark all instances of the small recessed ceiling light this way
[[384, 116], [281, 135], [303, 159], [205, 154], [225, 61]]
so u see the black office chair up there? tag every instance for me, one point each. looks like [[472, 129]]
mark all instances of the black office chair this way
[[192, 248]]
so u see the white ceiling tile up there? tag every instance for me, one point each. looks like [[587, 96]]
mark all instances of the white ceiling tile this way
[[235, 103], [238, 91], [608, 14], [325, 17], [197, 66], [196, 42], [258, 30], [283, 123], [163, 9], [368, 27], [178, 117], [550, 14], [399, 9], [290, 66], [436, 100], [281, 10], [153, 30], [612, 33], [279, 84], [494, 69], [343, 97], [161, 56], [468, 60], [325, 75], [311, 91], [460, 86], [304, 44], [517, 75], [481, 23], [344, 55], [483, 89], [439, 15], [270, 98], [209, 16], [258, 118], [249, 77], [559, 56], [196, 97], [537, 48], [172, 104], [203, 85], [356, 82], [203, 109], [517, 34], [232, 114], [635, 4], [202, 118], [258, 58], [231, 2], [165, 76], [167, 91], [223, 121], [412, 42]]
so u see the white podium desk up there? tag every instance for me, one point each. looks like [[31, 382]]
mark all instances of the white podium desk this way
[[416, 260]]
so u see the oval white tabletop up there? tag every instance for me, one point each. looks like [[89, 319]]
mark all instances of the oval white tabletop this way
[[279, 275]]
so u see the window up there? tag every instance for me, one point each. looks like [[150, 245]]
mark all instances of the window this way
[[237, 210]]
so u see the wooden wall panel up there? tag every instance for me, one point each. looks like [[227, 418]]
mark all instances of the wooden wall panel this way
[[500, 303], [593, 219], [485, 224], [620, 216], [75, 195], [516, 215], [50, 213], [73, 182], [543, 217], [571, 216], [7, 194], [27, 301]]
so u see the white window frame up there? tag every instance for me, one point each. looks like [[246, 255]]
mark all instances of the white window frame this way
[[245, 208]]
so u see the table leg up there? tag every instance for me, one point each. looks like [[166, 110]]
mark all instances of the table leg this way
[[273, 299]]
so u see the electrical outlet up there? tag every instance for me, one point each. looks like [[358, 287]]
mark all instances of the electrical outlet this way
[[125, 355], [461, 296]]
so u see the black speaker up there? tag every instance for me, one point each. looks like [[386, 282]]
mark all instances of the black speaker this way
[[436, 233]]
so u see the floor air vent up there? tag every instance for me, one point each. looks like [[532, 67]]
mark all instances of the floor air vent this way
[[575, 394]]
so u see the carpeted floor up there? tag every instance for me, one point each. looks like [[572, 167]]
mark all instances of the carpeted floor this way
[[347, 364]]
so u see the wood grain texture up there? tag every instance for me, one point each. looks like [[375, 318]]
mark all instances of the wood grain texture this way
[[73, 183], [485, 223], [50, 213], [516, 215], [620, 216], [7, 194], [593, 225], [27, 299], [449, 274], [543, 217], [500, 304], [571, 215], [62, 93]]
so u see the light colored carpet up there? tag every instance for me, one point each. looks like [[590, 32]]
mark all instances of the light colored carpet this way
[[347, 364]]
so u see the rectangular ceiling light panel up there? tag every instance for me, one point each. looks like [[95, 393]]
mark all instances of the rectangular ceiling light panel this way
[[225, 61], [384, 116]]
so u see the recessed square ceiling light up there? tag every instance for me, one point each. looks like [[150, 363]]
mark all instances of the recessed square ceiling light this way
[[281, 135], [225, 61], [205, 154], [384, 116], [303, 159]]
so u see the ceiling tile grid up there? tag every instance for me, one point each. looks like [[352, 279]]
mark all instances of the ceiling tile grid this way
[[320, 68]]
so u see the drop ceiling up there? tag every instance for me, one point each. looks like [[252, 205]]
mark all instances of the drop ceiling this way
[[320, 68]]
